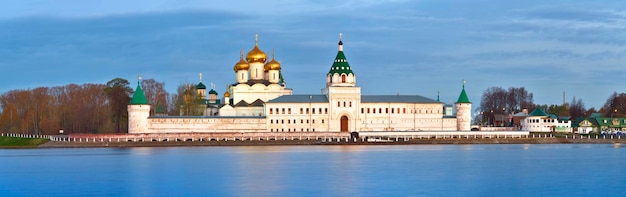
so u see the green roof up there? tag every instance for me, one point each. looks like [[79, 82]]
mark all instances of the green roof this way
[[212, 91], [200, 86], [538, 112], [139, 98], [340, 65], [463, 97]]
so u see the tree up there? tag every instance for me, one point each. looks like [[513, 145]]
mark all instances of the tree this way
[[118, 93], [615, 105], [497, 100], [577, 109], [156, 94]]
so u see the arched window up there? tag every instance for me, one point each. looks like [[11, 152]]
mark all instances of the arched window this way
[[343, 78]]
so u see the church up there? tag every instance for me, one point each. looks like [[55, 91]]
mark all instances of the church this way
[[259, 101]]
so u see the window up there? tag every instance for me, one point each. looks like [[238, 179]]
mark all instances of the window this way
[[322, 121], [350, 104], [362, 110], [283, 110], [271, 121], [288, 121], [313, 121], [368, 110], [271, 111], [343, 78], [392, 110], [338, 104], [380, 110], [307, 110], [344, 104], [326, 110], [301, 121], [282, 121], [301, 111], [387, 110], [404, 110], [313, 110], [289, 111]]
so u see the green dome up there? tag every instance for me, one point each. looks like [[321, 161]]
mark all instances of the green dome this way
[[139, 98], [212, 91], [200, 86]]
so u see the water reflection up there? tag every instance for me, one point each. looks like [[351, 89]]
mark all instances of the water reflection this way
[[400, 170]]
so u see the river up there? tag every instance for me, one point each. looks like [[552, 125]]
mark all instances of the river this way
[[348, 170]]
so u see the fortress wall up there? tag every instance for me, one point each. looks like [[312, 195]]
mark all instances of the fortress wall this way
[[206, 124]]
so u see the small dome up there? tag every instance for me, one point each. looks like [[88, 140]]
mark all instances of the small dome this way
[[226, 94], [272, 65], [200, 86], [212, 91], [241, 65]]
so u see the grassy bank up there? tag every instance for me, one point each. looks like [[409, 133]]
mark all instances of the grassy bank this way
[[16, 142]]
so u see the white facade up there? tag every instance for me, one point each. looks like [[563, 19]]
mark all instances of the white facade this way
[[539, 121], [263, 102]]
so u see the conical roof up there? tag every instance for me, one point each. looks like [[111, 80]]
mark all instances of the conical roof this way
[[139, 98], [340, 65], [463, 97]]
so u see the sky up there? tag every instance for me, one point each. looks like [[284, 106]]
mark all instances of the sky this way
[[414, 47]]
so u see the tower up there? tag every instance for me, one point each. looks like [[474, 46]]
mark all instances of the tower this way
[[138, 111], [343, 94], [463, 111]]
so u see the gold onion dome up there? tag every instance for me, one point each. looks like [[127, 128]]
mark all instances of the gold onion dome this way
[[226, 94], [241, 65], [256, 55], [272, 65]]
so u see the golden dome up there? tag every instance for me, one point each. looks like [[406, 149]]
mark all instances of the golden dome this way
[[272, 65], [256, 55], [226, 94], [241, 65]]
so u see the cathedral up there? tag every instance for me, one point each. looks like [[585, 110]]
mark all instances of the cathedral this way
[[259, 101]]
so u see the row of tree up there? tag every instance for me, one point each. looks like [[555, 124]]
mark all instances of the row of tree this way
[[86, 108], [497, 100]]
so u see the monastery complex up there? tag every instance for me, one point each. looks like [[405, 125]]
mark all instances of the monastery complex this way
[[259, 101]]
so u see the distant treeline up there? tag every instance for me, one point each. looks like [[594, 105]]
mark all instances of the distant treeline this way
[[497, 100], [86, 108]]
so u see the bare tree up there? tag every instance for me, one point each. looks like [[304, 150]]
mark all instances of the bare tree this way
[[615, 105]]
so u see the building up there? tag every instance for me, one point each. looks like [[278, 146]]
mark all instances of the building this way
[[259, 101], [540, 121]]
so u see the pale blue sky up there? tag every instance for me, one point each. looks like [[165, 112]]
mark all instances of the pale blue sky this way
[[406, 47]]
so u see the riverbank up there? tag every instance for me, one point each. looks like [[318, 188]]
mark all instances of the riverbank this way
[[62, 144], [18, 142]]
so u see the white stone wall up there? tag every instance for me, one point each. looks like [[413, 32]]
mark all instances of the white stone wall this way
[[205, 124]]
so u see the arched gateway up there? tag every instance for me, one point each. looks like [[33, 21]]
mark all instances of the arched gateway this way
[[344, 124]]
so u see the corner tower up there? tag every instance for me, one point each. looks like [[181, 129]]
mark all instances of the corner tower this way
[[138, 111], [340, 73], [463, 111]]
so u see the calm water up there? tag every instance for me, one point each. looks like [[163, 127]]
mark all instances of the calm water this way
[[400, 170]]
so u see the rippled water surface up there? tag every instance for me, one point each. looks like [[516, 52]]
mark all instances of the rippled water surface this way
[[397, 170]]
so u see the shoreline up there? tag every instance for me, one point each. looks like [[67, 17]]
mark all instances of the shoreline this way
[[61, 144]]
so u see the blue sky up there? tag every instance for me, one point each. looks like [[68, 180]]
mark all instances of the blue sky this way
[[405, 47]]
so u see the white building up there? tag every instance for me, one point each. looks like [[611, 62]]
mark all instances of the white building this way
[[259, 101], [540, 121]]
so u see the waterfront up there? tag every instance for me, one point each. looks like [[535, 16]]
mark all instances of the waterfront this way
[[397, 170]]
